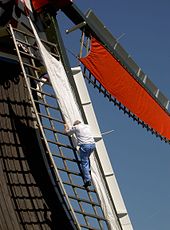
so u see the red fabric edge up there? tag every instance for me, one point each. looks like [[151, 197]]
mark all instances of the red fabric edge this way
[[38, 4]]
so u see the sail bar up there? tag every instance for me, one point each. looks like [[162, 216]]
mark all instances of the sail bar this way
[[94, 26], [125, 88], [112, 188]]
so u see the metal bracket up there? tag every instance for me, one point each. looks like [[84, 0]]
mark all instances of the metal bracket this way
[[78, 26]]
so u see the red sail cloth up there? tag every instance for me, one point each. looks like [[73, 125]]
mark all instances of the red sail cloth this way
[[38, 4], [120, 84]]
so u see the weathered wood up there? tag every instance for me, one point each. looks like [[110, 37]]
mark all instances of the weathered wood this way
[[28, 199]]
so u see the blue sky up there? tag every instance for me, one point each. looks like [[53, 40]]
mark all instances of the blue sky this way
[[140, 161]]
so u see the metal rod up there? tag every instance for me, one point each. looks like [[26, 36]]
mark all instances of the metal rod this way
[[78, 26]]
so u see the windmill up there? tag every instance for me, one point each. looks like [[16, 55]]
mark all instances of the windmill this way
[[30, 38]]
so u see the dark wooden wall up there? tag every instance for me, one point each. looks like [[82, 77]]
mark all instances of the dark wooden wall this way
[[27, 197]]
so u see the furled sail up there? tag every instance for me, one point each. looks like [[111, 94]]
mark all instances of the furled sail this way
[[71, 112]]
